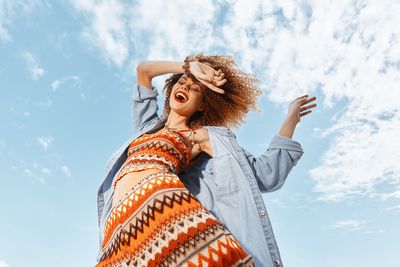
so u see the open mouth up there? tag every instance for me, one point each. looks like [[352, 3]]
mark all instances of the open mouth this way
[[181, 97]]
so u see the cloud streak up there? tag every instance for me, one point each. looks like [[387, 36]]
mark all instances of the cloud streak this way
[[4, 264], [45, 141], [106, 28], [350, 225], [55, 85], [12, 9], [35, 70], [66, 170]]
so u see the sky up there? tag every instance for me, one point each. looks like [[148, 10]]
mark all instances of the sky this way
[[67, 74]]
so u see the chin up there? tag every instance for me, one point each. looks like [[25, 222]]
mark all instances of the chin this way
[[180, 109]]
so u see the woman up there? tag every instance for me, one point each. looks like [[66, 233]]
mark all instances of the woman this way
[[199, 105], [155, 221]]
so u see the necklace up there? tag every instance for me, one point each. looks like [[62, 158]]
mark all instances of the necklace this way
[[192, 132]]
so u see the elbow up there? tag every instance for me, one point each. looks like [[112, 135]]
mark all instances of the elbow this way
[[143, 74], [273, 182], [141, 66], [295, 157]]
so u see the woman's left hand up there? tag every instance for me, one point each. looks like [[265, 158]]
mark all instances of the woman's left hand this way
[[297, 108], [208, 76]]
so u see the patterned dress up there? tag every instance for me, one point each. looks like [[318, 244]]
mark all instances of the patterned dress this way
[[159, 222]]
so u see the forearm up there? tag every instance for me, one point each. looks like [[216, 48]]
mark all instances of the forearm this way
[[156, 68], [287, 128]]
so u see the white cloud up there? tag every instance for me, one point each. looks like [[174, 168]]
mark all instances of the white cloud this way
[[374, 231], [28, 172], [4, 264], [48, 103], [4, 34], [11, 10], [347, 52], [31, 62], [45, 141], [149, 28], [46, 170], [106, 28], [397, 207], [57, 83], [357, 225], [32, 173], [66, 170], [83, 96], [350, 225]]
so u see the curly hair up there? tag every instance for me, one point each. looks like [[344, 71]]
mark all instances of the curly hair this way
[[228, 109]]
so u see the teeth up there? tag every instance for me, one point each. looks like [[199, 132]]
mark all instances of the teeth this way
[[180, 96]]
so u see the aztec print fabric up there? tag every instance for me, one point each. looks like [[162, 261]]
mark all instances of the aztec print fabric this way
[[159, 222], [166, 150]]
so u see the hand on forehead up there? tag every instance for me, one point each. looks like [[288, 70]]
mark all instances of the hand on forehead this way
[[193, 78]]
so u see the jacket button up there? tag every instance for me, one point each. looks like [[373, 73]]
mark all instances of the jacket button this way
[[277, 263], [262, 212]]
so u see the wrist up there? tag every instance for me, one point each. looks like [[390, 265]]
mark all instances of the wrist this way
[[186, 65], [288, 127], [292, 119]]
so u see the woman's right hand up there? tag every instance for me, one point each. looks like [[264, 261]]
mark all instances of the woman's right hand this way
[[208, 76]]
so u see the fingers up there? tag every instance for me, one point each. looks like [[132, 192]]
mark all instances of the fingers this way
[[303, 96], [217, 90], [219, 83], [211, 78], [305, 113], [213, 87], [308, 107], [202, 76], [220, 77], [309, 100], [303, 99], [210, 74], [215, 80]]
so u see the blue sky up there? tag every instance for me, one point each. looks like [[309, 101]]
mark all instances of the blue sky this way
[[66, 78]]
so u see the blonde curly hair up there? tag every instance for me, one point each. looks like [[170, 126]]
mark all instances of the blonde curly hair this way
[[229, 109]]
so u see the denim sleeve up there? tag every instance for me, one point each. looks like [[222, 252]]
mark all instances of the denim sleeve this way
[[272, 168], [144, 107]]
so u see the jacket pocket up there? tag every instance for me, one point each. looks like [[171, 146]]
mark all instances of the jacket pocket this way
[[226, 177]]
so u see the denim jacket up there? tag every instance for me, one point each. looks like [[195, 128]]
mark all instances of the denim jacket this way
[[229, 184]]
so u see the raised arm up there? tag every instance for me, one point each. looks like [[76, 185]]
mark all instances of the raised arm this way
[[272, 168], [147, 70], [144, 100], [274, 165]]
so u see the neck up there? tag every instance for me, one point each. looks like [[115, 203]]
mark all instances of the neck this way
[[177, 121]]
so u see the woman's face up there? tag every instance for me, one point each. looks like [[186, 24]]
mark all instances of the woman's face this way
[[187, 96]]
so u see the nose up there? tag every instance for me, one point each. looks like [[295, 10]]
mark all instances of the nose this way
[[184, 86], [187, 85]]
